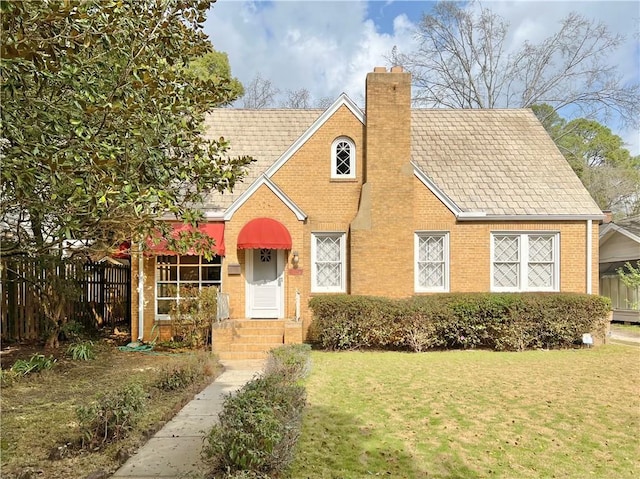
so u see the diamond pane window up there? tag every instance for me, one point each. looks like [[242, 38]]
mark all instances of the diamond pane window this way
[[328, 252], [432, 256], [525, 262], [176, 274], [343, 158]]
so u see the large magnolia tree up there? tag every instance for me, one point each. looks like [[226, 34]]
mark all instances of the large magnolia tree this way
[[101, 121], [101, 130]]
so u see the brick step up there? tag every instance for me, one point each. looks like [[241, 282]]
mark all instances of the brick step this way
[[258, 338], [242, 355], [258, 323], [258, 331], [238, 347]]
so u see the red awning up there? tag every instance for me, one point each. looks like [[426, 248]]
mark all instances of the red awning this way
[[213, 230], [264, 233]]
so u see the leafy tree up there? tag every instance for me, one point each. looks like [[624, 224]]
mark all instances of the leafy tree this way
[[463, 61], [101, 129], [214, 66], [101, 132], [598, 157]]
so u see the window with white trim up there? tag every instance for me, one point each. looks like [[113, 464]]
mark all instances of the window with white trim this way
[[175, 274], [328, 269], [431, 262], [525, 262], [343, 158]]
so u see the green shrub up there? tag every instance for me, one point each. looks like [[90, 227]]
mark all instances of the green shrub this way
[[81, 351], [461, 321], [72, 330], [35, 364], [292, 361], [181, 375], [193, 316], [259, 426], [111, 416]]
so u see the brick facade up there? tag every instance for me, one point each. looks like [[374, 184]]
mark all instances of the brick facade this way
[[379, 212]]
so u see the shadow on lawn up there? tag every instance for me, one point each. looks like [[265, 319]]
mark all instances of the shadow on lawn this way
[[337, 445]]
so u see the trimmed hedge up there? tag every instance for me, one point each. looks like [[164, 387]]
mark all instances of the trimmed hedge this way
[[499, 321], [259, 425]]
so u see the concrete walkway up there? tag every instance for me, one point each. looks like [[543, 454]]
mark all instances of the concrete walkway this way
[[174, 451]]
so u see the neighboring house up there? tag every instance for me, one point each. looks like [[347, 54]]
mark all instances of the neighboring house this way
[[619, 244], [391, 201]]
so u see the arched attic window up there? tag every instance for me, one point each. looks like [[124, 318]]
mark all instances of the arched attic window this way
[[343, 158]]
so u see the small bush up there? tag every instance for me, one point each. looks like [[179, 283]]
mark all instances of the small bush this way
[[72, 330], [193, 316], [35, 364], [292, 361], [81, 351], [111, 416], [260, 425], [182, 375], [461, 321]]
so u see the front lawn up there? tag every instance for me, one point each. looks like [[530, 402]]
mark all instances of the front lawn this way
[[473, 414], [40, 430]]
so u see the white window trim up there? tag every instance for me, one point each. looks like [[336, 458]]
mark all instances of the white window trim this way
[[416, 254], [352, 159], [164, 317], [524, 261], [343, 269]]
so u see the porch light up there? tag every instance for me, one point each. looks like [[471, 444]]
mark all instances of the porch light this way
[[295, 260]]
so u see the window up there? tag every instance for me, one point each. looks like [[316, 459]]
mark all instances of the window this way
[[431, 262], [176, 273], [525, 262], [343, 158], [328, 263]]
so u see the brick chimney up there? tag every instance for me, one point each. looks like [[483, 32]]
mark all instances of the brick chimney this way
[[381, 243]]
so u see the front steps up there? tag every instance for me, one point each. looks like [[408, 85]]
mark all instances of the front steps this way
[[253, 338]]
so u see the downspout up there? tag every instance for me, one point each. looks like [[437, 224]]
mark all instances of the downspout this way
[[589, 256], [140, 293]]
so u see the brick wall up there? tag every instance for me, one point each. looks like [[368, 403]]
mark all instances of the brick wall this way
[[381, 245]]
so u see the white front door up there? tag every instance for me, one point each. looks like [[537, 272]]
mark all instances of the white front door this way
[[265, 277]]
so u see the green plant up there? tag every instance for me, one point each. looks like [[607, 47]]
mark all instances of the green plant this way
[[458, 321], [183, 374], [72, 330], [81, 351], [193, 316], [111, 416], [35, 364], [292, 361], [260, 425]]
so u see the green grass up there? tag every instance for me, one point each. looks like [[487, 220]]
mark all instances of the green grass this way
[[473, 414]]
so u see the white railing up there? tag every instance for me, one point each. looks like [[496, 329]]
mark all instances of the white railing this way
[[223, 306]]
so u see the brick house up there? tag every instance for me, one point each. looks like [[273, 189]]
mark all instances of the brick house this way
[[392, 201]]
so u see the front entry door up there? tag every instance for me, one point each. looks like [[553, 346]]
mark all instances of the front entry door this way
[[265, 283]]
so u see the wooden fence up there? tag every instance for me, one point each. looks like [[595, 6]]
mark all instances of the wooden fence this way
[[102, 296]]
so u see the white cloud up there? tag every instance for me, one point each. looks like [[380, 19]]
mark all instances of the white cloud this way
[[328, 47], [325, 47]]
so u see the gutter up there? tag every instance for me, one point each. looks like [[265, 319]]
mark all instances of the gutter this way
[[589, 256], [140, 293]]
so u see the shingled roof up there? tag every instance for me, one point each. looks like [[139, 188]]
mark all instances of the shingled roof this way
[[495, 162], [263, 134], [500, 162]]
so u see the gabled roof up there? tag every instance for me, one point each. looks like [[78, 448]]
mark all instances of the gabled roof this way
[[263, 134], [629, 227], [481, 163], [497, 162]]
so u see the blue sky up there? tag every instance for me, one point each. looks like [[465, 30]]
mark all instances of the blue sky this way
[[328, 46]]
